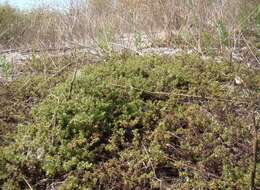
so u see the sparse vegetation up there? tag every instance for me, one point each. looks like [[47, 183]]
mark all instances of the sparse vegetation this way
[[181, 23]]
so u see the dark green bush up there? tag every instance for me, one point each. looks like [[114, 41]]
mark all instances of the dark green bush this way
[[138, 123]]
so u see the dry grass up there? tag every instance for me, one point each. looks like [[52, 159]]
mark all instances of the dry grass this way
[[195, 23]]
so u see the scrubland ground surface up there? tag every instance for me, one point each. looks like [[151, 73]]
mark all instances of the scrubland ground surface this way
[[130, 95]]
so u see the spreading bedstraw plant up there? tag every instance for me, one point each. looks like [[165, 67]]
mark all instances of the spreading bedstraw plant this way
[[223, 33], [5, 67], [138, 123]]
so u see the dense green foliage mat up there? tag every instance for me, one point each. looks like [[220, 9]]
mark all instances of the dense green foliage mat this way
[[139, 123]]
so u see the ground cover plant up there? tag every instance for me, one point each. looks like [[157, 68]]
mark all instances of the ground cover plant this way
[[32, 81], [133, 122]]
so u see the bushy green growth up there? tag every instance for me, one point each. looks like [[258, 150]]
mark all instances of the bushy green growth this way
[[17, 97], [138, 123], [5, 68], [223, 34], [258, 18], [208, 43], [137, 40]]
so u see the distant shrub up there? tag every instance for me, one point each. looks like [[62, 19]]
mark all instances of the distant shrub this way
[[20, 28], [138, 123], [13, 24]]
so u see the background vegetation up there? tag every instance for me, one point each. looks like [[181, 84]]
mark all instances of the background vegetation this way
[[203, 25]]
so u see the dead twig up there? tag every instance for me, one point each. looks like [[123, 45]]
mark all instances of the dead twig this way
[[182, 95], [31, 50], [30, 187], [255, 140], [56, 74], [72, 83], [186, 165], [250, 49]]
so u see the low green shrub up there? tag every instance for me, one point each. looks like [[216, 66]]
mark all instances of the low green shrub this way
[[33, 81], [138, 123]]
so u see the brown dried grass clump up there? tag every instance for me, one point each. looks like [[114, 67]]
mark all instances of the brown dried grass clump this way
[[193, 23]]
